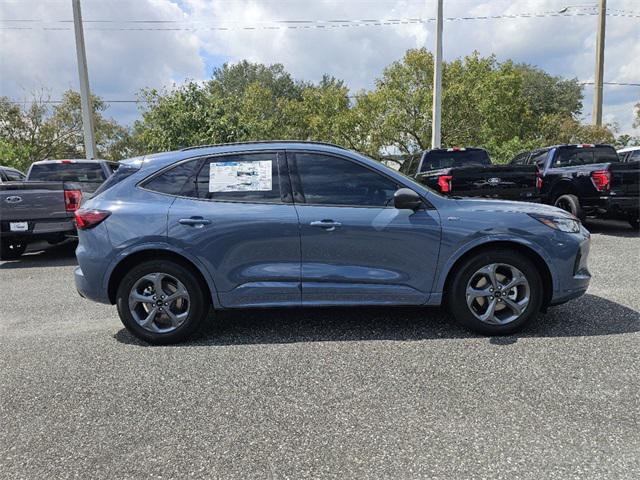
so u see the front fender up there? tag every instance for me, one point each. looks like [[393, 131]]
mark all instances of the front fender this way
[[446, 267], [127, 252]]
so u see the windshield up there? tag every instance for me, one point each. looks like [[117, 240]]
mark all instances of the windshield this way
[[438, 159], [67, 172]]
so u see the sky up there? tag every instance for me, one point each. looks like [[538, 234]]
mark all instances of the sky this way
[[132, 44]]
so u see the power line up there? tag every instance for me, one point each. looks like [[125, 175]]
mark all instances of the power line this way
[[288, 24]]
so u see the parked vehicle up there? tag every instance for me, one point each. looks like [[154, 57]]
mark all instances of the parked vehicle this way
[[8, 174], [587, 180], [87, 174], [31, 211], [629, 154], [468, 172], [42, 207], [308, 224]]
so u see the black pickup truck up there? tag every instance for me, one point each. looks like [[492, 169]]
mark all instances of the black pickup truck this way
[[587, 180], [468, 172]]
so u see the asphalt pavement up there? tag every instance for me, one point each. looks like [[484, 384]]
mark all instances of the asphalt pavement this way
[[330, 393]]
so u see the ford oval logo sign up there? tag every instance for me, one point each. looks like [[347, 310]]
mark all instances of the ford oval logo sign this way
[[13, 199], [494, 181]]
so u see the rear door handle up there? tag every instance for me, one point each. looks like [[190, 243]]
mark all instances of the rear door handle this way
[[328, 225], [194, 221]]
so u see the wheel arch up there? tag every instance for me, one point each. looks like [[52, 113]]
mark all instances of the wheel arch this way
[[139, 256], [563, 187], [536, 258]]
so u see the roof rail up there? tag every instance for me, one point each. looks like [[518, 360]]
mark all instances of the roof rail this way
[[263, 141]]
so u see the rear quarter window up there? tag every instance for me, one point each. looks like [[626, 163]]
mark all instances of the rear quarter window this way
[[174, 180]]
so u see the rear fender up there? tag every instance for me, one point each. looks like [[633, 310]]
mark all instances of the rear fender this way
[[124, 254]]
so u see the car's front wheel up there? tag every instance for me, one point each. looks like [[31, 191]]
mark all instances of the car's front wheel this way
[[161, 302], [495, 292]]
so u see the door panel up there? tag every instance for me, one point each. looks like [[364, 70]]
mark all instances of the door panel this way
[[368, 253], [251, 248], [376, 255]]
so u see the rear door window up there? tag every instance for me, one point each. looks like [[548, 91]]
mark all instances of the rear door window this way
[[247, 177], [538, 159], [13, 176]]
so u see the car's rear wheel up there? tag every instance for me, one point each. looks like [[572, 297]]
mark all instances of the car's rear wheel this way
[[571, 204], [12, 249], [161, 302], [495, 292]]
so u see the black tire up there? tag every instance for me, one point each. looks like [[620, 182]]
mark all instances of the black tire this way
[[456, 296], [571, 204], [199, 302], [635, 223], [12, 249]]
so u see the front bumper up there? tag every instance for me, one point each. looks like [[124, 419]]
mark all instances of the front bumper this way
[[572, 272]]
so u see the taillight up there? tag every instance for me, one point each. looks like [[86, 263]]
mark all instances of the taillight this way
[[601, 180], [86, 219], [444, 182], [72, 199]]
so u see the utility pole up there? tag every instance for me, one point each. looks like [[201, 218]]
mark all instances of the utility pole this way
[[85, 92], [437, 80], [597, 97]]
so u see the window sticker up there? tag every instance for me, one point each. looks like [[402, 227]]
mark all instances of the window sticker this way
[[240, 176]]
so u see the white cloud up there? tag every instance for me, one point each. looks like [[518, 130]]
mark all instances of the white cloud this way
[[121, 62]]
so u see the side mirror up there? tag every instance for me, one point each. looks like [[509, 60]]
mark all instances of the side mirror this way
[[405, 198]]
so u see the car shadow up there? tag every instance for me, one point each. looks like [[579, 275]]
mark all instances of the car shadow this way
[[589, 316], [615, 228], [41, 254]]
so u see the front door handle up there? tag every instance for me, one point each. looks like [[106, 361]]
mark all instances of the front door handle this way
[[328, 225], [194, 221]]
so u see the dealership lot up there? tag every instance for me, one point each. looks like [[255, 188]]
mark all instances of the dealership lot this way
[[368, 393]]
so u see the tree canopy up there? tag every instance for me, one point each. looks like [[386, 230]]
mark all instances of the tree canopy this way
[[505, 107], [37, 131]]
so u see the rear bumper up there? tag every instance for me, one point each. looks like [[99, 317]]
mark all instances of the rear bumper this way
[[85, 289], [40, 229], [612, 206]]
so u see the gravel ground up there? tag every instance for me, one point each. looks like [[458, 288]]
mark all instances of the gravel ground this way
[[331, 393]]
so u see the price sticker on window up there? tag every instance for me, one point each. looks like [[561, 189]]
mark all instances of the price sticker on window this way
[[240, 176]]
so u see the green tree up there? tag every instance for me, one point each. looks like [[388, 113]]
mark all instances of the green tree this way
[[38, 131]]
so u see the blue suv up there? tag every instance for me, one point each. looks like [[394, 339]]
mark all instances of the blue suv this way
[[272, 224]]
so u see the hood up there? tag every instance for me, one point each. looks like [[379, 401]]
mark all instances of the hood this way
[[503, 206]]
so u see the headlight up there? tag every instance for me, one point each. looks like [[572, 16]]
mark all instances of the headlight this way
[[563, 224]]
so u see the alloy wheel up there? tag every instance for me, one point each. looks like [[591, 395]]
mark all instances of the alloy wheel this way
[[159, 302], [498, 294]]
